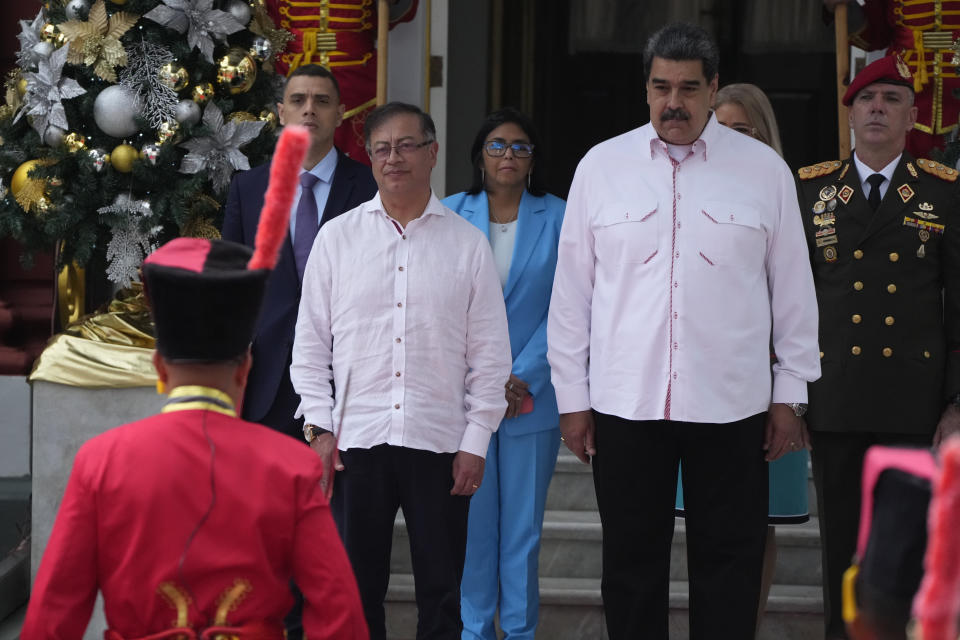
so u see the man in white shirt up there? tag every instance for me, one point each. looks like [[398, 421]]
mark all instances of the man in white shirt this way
[[681, 256], [401, 298]]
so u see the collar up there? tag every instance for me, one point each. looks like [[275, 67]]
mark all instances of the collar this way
[[325, 168], [708, 137], [865, 172], [197, 397], [434, 206]]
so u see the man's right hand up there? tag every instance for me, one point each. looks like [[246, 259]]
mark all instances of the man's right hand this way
[[326, 447], [576, 431]]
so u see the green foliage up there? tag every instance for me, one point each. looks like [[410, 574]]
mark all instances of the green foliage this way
[[75, 189]]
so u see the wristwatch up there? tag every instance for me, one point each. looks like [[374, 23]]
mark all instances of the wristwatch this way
[[799, 408], [311, 432]]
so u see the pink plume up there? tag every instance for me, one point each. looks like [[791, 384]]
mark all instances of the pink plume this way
[[937, 603], [275, 215]]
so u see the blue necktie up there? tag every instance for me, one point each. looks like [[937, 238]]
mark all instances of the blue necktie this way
[[307, 221]]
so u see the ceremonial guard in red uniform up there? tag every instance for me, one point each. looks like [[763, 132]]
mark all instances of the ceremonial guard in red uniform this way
[[922, 32], [341, 36], [193, 522]]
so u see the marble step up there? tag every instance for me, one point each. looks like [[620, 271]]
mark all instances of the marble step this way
[[571, 609], [571, 548], [571, 488]]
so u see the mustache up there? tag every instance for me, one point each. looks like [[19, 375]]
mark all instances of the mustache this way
[[674, 114]]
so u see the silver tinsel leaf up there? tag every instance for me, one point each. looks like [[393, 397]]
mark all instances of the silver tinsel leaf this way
[[131, 238], [201, 22], [27, 57], [141, 75], [46, 88], [219, 153]]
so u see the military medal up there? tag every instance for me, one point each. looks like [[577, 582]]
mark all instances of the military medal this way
[[922, 251], [925, 209], [832, 205], [905, 192], [820, 206], [828, 192], [924, 235], [824, 220], [845, 194], [826, 240], [913, 172], [830, 254]]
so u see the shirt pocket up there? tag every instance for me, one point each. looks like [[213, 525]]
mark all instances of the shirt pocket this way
[[730, 234], [628, 233]]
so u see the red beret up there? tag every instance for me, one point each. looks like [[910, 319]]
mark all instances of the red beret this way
[[888, 70]]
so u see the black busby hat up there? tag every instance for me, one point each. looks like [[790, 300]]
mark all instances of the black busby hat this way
[[205, 295]]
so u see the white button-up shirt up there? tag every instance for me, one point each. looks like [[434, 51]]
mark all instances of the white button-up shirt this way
[[670, 275], [413, 323]]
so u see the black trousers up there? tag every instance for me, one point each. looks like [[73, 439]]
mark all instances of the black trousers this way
[[837, 468], [366, 495], [725, 495]]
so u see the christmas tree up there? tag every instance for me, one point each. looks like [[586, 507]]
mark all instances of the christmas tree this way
[[125, 120]]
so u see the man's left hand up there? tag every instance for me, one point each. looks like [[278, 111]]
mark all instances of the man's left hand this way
[[786, 432], [467, 473], [949, 425]]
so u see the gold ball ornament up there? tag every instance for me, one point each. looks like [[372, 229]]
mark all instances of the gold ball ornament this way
[[202, 92], [20, 179], [22, 87], [52, 34], [242, 116], [237, 71], [167, 131], [122, 157], [75, 142], [270, 118], [174, 76]]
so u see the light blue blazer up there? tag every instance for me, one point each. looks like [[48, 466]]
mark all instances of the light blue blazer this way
[[527, 297]]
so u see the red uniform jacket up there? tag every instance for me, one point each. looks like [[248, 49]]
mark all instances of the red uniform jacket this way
[[242, 511]]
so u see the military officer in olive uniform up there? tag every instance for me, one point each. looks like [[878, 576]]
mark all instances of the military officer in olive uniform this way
[[883, 230]]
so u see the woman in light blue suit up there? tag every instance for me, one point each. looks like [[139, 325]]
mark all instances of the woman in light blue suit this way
[[507, 202]]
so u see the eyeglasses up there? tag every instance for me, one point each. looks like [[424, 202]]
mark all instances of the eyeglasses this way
[[383, 151], [496, 148]]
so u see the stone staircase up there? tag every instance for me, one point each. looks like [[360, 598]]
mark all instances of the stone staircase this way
[[570, 571]]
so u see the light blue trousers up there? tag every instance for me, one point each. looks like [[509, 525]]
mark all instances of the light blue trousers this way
[[503, 537]]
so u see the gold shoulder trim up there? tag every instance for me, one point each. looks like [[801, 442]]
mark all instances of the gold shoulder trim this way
[[819, 169], [934, 168]]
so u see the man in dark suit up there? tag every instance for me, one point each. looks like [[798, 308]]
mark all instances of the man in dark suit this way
[[311, 98], [883, 231]]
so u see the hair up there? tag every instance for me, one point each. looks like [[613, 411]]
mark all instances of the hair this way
[[380, 115], [492, 121], [315, 71], [682, 41], [758, 109]]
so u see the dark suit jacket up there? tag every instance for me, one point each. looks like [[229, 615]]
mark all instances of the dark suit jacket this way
[[888, 288], [270, 398]]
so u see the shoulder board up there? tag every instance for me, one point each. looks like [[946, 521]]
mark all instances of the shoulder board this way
[[819, 169], [934, 168]]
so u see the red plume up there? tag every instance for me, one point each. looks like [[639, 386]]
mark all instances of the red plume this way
[[938, 601], [275, 215]]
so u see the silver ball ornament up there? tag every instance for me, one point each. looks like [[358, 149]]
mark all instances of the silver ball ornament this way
[[98, 157], [42, 49], [188, 112], [240, 10], [150, 152], [115, 110], [53, 136], [261, 49], [78, 9]]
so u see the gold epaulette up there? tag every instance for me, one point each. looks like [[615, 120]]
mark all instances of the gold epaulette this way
[[934, 168], [819, 169]]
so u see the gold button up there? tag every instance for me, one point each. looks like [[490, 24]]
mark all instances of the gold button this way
[[887, 352], [821, 354], [891, 288], [894, 256], [926, 354], [858, 285], [855, 350], [858, 254], [888, 320], [856, 318]]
